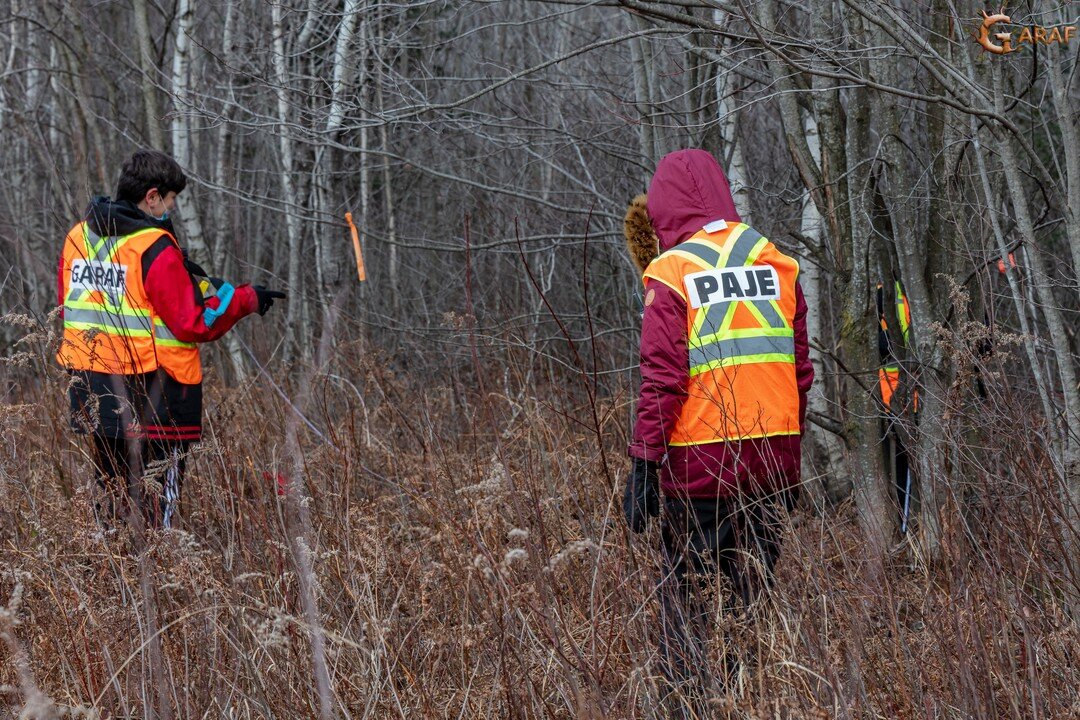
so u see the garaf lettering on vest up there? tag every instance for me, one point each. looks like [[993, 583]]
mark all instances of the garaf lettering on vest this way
[[732, 284], [98, 276]]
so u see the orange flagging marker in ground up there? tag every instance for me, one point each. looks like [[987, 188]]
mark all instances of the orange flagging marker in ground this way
[[360, 272]]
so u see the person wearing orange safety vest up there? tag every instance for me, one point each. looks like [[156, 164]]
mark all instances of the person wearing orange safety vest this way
[[889, 373], [725, 371], [134, 310], [888, 382]]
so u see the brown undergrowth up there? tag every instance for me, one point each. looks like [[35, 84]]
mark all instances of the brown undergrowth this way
[[470, 562]]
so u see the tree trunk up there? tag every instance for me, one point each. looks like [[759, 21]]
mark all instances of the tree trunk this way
[[642, 97], [288, 184], [183, 151], [328, 242], [727, 119], [1041, 279], [858, 333], [148, 70], [836, 481], [929, 372], [388, 191]]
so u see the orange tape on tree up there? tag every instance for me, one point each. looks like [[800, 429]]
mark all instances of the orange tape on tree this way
[[360, 272]]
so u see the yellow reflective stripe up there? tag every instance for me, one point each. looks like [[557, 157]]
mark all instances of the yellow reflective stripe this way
[[695, 329], [735, 251], [119, 310], [902, 312], [742, 360], [101, 249], [744, 333], [108, 330], [703, 249], [756, 312], [772, 341], [756, 252], [100, 319], [724, 326], [106, 317], [105, 247], [707, 253], [91, 248]]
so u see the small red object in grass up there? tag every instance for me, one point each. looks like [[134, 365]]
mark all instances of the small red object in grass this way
[[282, 483]]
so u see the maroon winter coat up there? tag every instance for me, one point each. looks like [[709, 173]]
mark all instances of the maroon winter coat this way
[[688, 191]]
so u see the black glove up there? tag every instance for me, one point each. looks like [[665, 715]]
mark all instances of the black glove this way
[[267, 297], [642, 497]]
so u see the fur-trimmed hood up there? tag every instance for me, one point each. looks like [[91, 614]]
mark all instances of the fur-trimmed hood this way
[[687, 192], [641, 239]]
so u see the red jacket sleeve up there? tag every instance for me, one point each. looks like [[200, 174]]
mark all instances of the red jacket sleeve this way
[[664, 371], [804, 369], [173, 297]]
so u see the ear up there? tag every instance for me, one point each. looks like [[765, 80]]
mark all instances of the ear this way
[[641, 239], [152, 193]]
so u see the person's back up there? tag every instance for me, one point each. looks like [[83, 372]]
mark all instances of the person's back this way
[[725, 371]]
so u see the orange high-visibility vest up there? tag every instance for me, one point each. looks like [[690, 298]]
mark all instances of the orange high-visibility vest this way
[[109, 325], [889, 375], [888, 381], [740, 310]]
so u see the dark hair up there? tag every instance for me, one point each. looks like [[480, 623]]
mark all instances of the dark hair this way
[[147, 169]]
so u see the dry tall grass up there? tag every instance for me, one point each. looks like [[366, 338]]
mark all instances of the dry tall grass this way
[[469, 561]]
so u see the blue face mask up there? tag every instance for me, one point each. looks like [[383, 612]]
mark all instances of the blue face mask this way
[[164, 216]]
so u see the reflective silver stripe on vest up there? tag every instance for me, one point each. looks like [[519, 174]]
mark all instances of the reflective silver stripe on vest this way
[[744, 244], [106, 247], [163, 335], [735, 348], [740, 251], [700, 250], [162, 331], [109, 321]]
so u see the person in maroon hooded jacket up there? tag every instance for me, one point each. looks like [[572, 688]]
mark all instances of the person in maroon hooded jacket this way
[[725, 371]]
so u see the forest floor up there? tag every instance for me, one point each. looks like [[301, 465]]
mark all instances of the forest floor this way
[[468, 559]]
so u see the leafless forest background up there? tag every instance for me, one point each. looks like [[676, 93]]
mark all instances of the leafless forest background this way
[[452, 431]]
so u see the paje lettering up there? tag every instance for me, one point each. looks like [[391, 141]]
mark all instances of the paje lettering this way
[[728, 284]]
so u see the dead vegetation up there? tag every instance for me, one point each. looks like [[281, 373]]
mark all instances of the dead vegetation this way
[[469, 560]]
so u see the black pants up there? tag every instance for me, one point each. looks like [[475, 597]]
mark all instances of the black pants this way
[[738, 538], [143, 476]]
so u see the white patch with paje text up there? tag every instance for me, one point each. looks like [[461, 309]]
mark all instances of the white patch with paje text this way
[[756, 282]]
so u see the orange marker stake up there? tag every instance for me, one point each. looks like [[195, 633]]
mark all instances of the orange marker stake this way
[[360, 272]]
